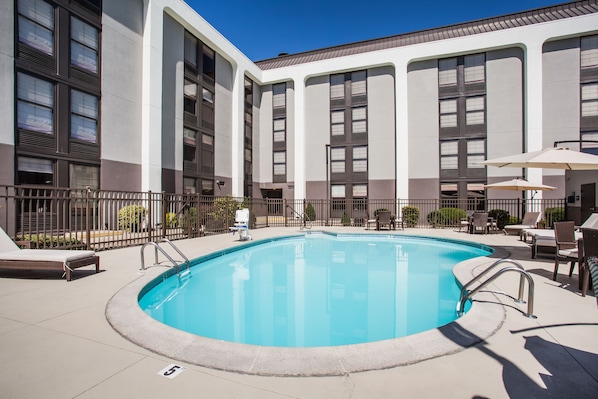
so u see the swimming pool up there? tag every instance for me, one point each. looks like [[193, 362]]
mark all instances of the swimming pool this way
[[315, 290]]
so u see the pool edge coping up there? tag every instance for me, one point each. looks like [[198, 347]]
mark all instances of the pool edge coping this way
[[484, 319]]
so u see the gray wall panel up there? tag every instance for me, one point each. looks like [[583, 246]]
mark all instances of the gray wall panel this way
[[422, 81], [504, 96], [122, 46], [172, 97], [381, 126], [223, 120], [7, 110]]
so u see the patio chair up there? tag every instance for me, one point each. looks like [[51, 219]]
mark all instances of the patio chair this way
[[369, 221], [530, 221], [383, 219], [479, 222], [241, 224], [566, 246], [590, 260], [14, 258], [465, 222], [543, 239]]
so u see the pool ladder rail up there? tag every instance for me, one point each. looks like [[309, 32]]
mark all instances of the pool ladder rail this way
[[175, 264], [524, 275], [307, 223]]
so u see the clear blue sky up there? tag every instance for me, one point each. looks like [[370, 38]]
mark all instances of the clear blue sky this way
[[264, 28]]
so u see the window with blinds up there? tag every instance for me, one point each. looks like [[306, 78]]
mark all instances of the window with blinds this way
[[36, 25], [84, 45], [35, 104], [589, 52]]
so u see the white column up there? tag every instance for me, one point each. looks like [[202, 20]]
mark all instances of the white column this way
[[151, 107], [533, 104], [402, 131], [238, 131], [299, 150]]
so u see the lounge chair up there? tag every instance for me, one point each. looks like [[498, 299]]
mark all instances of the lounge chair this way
[[12, 257], [543, 239], [590, 260], [383, 219], [566, 246], [530, 221], [241, 224]]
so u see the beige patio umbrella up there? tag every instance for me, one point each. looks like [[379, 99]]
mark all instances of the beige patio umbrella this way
[[553, 158], [519, 184]]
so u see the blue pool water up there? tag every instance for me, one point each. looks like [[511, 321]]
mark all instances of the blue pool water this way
[[316, 290]]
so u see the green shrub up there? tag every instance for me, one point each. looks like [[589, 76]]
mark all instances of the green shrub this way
[[502, 217], [131, 217], [310, 212], [554, 215], [49, 241], [435, 218], [346, 220], [225, 208], [410, 215], [452, 216], [192, 218], [514, 220], [171, 221]]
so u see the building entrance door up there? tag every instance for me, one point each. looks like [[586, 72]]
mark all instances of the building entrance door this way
[[588, 200]]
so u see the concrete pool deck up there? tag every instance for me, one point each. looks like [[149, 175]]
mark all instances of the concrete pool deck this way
[[57, 343]]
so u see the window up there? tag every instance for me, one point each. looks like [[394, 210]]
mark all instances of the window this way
[[189, 185], [448, 113], [360, 190], [84, 116], [189, 136], [360, 159], [207, 187], [209, 64], [190, 50], [359, 123], [337, 86], [337, 160], [279, 130], [207, 96], [280, 159], [337, 123], [36, 25], [587, 146], [206, 139], [589, 52], [84, 45], [190, 91], [449, 151], [279, 95], [35, 104], [358, 83], [447, 72], [474, 111], [337, 191], [476, 153], [82, 176], [35, 171], [474, 68], [589, 99]]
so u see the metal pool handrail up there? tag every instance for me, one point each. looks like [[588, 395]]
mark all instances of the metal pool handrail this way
[[466, 294], [156, 245]]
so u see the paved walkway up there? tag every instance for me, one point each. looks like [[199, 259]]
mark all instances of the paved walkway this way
[[55, 342]]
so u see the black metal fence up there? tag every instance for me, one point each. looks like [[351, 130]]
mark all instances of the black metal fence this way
[[44, 217]]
